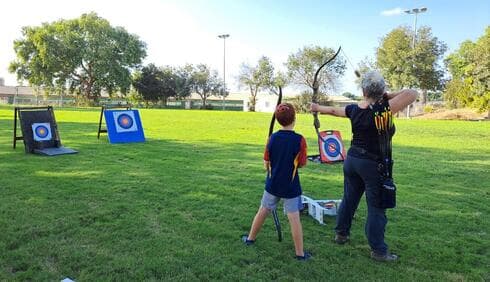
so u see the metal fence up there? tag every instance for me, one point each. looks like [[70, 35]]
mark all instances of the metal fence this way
[[227, 105]]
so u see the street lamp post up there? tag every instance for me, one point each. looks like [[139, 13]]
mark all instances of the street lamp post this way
[[16, 94], [224, 36], [415, 12]]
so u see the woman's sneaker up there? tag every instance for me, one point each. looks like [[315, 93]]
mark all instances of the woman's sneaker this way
[[341, 239], [384, 258]]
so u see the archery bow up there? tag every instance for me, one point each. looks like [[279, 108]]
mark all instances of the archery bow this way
[[277, 223], [316, 121]]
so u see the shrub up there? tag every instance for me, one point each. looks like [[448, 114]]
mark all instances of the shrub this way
[[428, 109]]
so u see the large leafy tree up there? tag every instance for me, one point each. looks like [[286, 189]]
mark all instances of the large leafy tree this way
[[169, 81], [205, 82], [86, 55], [405, 66], [149, 84], [256, 78], [303, 64], [158, 84], [470, 70], [183, 81], [394, 58]]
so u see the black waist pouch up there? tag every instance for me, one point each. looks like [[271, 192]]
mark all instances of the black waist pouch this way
[[386, 198], [387, 195]]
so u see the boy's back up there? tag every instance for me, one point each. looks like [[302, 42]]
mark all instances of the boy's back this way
[[286, 151]]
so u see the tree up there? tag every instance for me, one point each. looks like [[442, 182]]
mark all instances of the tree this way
[[148, 83], [169, 84], [394, 58], [183, 81], [161, 83], [302, 102], [434, 95], [86, 55], [256, 78], [428, 52], [470, 70], [350, 96], [303, 64], [456, 94], [402, 65], [205, 82]]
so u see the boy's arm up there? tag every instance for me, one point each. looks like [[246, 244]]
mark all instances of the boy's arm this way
[[266, 156], [303, 155]]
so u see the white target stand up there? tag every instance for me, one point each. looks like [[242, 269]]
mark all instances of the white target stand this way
[[319, 208]]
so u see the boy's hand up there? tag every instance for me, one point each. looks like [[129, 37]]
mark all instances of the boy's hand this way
[[266, 165]]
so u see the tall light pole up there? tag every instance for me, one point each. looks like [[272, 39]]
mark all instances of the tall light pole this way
[[415, 12], [16, 94], [224, 36]]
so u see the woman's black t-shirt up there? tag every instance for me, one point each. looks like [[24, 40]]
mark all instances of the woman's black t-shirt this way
[[364, 132]]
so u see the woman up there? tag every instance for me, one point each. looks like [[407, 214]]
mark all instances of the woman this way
[[362, 164]]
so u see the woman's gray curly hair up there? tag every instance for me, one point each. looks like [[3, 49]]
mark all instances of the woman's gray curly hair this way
[[373, 85]]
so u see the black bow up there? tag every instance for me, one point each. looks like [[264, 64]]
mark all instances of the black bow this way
[[314, 99], [277, 223]]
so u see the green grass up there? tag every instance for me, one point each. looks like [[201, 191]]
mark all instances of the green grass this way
[[175, 206]]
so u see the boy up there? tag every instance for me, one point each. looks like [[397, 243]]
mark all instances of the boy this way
[[284, 153]]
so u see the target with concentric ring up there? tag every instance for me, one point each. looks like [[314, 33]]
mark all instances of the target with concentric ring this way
[[41, 131], [125, 121], [331, 146]]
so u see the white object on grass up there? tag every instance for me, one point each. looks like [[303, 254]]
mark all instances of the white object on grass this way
[[317, 211]]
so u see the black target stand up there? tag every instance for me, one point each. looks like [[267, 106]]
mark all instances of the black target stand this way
[[107, 107]]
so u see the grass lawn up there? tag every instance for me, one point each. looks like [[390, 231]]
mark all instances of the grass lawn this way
[[175, 206]]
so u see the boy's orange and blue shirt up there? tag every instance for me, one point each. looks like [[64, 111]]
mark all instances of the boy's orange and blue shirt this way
[[285, 152]]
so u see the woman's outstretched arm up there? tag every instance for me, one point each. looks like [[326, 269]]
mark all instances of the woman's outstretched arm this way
[[334, 111]]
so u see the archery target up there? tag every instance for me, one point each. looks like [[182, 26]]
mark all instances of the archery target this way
[[41, 131], [124, 121], [124, 126], [331, 146]]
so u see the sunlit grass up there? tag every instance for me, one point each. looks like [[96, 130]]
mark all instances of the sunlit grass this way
[[175, 206]]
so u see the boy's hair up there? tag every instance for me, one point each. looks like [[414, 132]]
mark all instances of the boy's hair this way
[[285, 114]]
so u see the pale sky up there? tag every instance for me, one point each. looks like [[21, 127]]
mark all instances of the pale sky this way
[[185, 31]]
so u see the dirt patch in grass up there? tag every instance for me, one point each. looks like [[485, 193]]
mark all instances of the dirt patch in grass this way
[[455, 114]]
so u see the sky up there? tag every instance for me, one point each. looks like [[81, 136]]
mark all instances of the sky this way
[[185, 31]]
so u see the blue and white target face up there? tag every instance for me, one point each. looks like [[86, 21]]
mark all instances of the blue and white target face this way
[[125, 121], [332, 147], [41, 131]]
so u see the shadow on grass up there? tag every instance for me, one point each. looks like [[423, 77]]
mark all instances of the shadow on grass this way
[[175, 209]]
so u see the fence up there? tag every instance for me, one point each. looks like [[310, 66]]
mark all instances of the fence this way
[[71, 101]]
